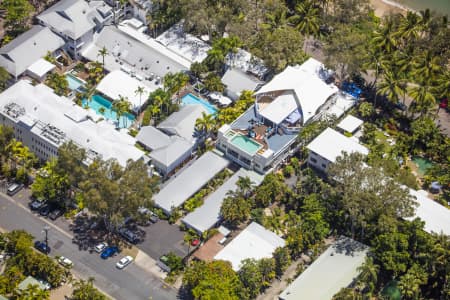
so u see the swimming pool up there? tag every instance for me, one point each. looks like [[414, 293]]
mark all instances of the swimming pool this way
[[99, 104], [190, 99], [74, 83], [246, 144]]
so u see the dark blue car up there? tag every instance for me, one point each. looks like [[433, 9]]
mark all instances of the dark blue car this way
[[41, 246], [109, 251]]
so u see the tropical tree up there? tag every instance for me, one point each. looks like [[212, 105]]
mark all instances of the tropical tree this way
[[4, 78], [392, 86], [174, 82], [275, 19], [205, 124], [139, 92], [411, 282], [235, 208], [33, 292], [385, 37], [368, 274], [423, 97], [85, 290], [121, 107], [306, 18], [49, 184], [213, 83], [103, 52], [58, 83], [17, 14], [410, 27]]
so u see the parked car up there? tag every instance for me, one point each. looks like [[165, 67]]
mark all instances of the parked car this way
[[109, 251], [65, 262], [55, 214], [100, 247], [129, 235], [125, 261], [14, 188], [36, 204], [45, 210], [41, 246]]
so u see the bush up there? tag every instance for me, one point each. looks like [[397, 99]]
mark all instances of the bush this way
[[288, 171], [133, 132], [146, 118]]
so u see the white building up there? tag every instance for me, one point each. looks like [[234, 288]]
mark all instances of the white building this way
[[76, 21], [43, 121], [336, 268], [253, 242], [350, 124], [265, 134], [328, 146], [18, 55]]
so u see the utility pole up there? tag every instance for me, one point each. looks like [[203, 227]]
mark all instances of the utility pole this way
[[46, 229]]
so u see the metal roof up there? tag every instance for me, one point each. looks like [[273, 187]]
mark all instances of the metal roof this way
[[189, 181], [182, 122]]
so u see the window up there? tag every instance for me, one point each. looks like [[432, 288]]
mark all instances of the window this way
[[313, 160], [324, 166]]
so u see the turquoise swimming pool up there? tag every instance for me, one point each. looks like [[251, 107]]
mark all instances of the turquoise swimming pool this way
[[246, 144], [190, 99], [74, 83], [103, 107]]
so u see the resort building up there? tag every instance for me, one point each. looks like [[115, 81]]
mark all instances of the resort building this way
[[189, 181], [328, 146], [135, 53], [44, 121], [349, 124], [119, 84], [29, 47], [435, 216], [247, 63], [76, 21], [184, 44], [337, 268], [236, 81], [208, 215], [253, 242], [266, 133]]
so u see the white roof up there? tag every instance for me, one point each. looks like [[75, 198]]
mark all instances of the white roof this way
[[41, 67], [280, 108], [207, 215], [340, 104], [336, 268], [184, 44], [246, 62], [237, 81], [189, 181], [253, 242], [330, 144], [436, 216], [27, 48], [350, 123], [118, 83], [73, 18], [171, 153], [307, 83], [42, 106]]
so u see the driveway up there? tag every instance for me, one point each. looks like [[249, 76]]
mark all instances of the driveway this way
[[130, 283], [162, 238]]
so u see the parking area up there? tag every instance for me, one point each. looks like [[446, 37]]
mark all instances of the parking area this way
[[162, 238]]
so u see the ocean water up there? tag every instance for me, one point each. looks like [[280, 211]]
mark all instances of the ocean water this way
[[441, 6]]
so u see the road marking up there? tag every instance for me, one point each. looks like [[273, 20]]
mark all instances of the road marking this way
[[42, 219]]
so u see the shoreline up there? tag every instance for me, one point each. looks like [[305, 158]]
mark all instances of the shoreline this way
[[384, 7]]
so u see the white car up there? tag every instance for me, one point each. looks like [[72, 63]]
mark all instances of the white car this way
[[100, 247], [65, 262], [125, 261]]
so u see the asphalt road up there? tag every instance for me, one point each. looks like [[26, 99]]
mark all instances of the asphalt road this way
[[131, 283]]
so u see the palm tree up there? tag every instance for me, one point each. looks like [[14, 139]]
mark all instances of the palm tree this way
[[274, 20], [102, 110], [103, 52], [121, 107], [245, 185], [427, 66], [369, 273], [385, 37], [410, 26], [139, 91], [392, 86], [423, 98], [377, 61], [204, 124], [306, 18]]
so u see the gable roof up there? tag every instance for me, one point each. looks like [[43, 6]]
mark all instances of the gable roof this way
[[255, 241], [237, 81], [330, 144], [30, 280], [182, 122], [152, 138], [73, 18], [336, 268], [172, 152], [350, 123], [307, 84], [27, 48]]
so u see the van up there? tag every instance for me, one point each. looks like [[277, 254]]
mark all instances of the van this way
[[14, 189]]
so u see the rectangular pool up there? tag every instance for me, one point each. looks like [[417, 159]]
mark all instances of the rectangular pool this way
[[103, 107], [246, 144], [74, 83], [190, 99]]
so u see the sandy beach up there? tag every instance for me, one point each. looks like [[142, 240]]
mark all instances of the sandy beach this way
[[383, 7]]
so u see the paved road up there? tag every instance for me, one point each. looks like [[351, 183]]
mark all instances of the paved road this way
[[129, 284]]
